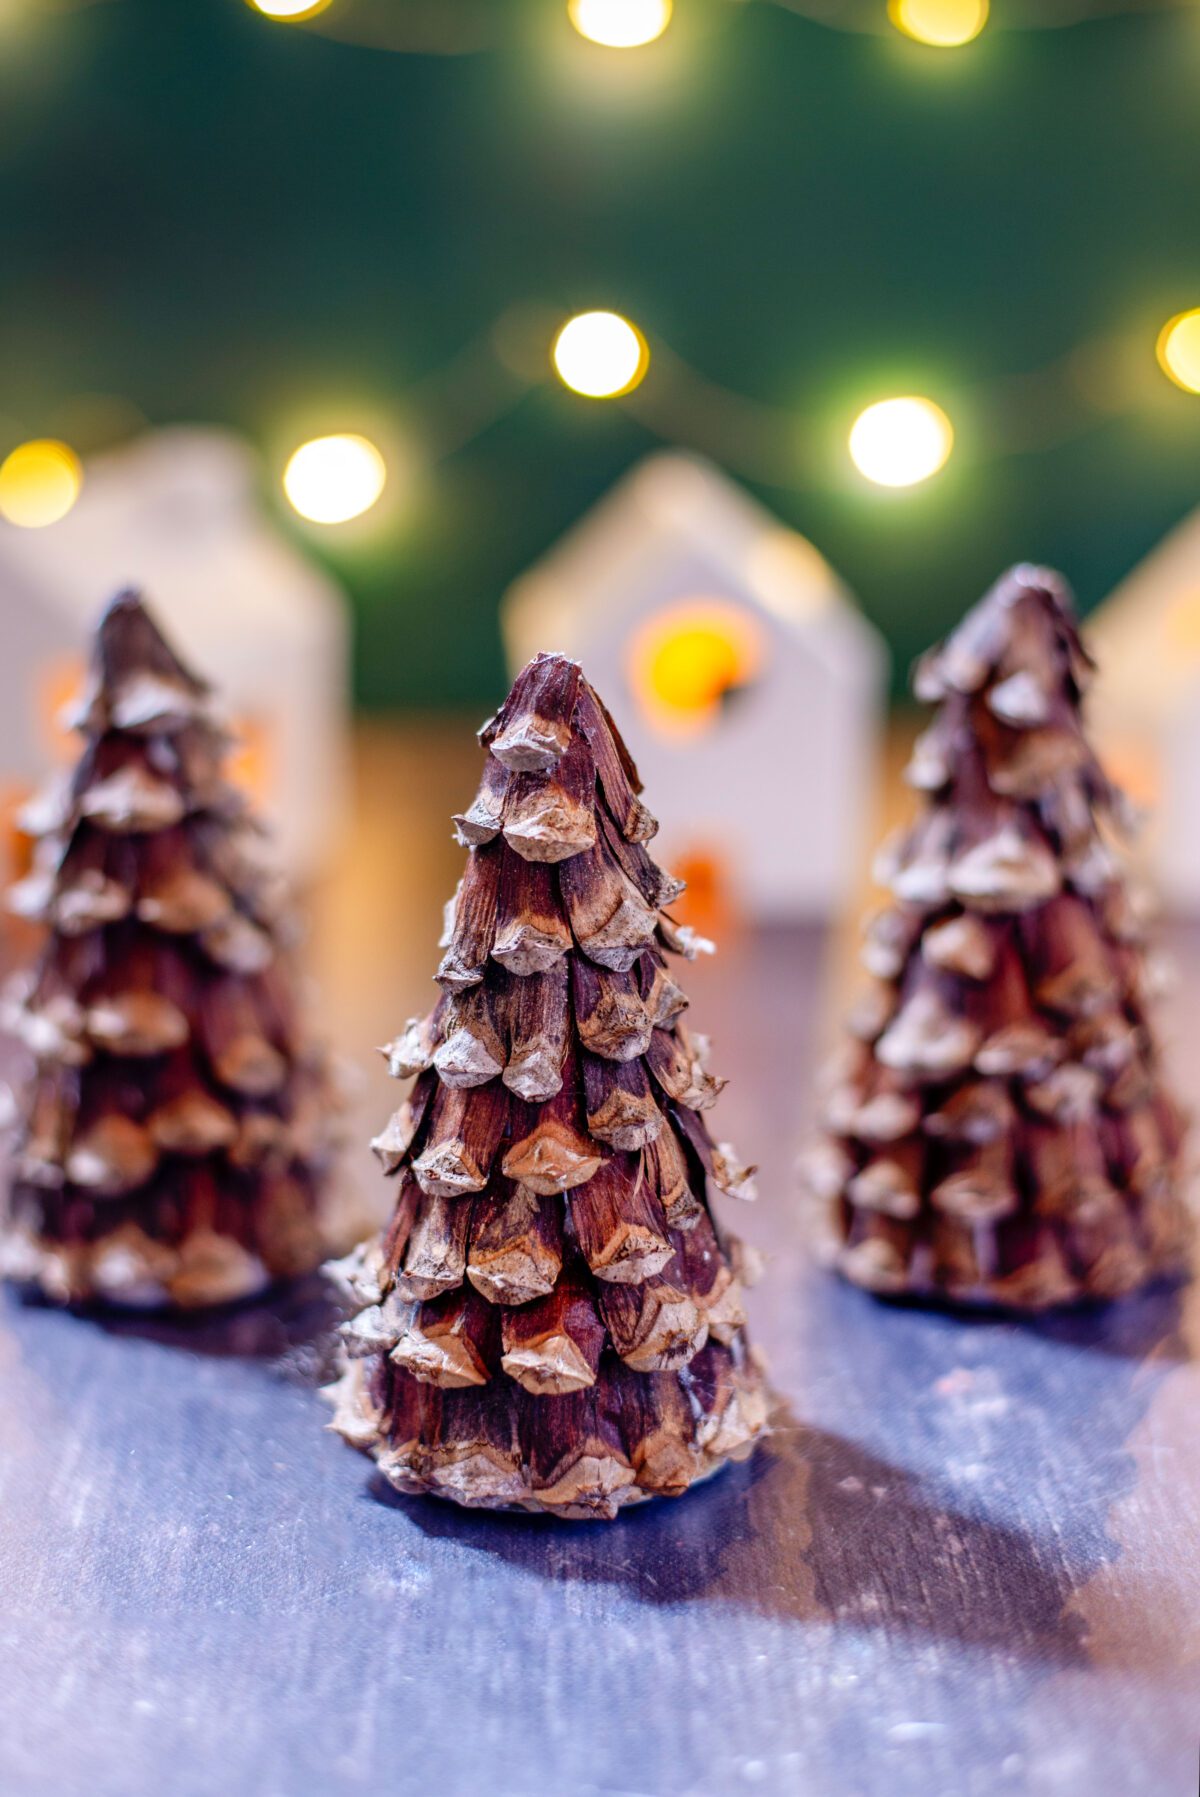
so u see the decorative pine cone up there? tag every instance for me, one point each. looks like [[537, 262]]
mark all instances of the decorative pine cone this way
[[999, 1132], [551, 1320], [177, 1138]]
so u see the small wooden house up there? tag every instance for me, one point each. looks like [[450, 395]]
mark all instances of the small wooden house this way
[[1146, 705], [176, 514], [747, 683]]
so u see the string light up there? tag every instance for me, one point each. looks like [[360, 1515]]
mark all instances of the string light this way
[[39, 483], [946, 24], [620, 24], [898, 442], [1179, 350], [292, 10], [894, 443], [334, 479], [601, 355]]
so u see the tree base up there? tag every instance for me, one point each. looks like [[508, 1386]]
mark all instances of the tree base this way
[[1048, 1282], [582, 1458], [131, 1270]]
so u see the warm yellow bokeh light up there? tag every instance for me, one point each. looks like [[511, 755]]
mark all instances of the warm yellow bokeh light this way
[[39, 483], [601, 355], [685, 661], [898, 442], [1179, 350], [943, 23], [620, 24], [334, 479], [292, 10]]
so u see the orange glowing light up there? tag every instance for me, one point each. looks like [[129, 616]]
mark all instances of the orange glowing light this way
[[685, 662]]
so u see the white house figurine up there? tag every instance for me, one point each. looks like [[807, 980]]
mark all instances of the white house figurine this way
[[1146, 638], [176, 514], [746, 681]]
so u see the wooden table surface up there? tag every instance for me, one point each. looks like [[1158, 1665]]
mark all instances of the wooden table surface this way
[[967, 1564]]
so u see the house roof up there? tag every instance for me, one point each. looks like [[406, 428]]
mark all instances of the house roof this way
[[1146, 634], [673, 501], [176, 514]]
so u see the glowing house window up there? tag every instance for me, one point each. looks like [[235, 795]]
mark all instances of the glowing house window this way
[[1183, 625], [689, 660], [251, 764]]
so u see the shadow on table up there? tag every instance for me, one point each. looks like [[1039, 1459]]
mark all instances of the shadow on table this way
[[814, 1530], [1150, 1323], [292, 1325], [1133, 1328]]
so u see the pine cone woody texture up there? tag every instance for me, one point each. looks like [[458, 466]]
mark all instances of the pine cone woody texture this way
[[551, 1320], [999, 1132], [179, 1131]]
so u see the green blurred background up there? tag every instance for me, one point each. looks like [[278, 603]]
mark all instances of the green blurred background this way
[[209, 215]]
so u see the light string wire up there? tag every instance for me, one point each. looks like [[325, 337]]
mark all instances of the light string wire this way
[[1017, 414], [418, 28], [870, 17], [470, 27], [492, 374]]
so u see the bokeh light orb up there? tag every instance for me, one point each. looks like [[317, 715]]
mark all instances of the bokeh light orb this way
[[601, 355], [620, 24], [898, 442], [293, 10], [333, 479], [946, 24], [1179, 350], [39, 483]]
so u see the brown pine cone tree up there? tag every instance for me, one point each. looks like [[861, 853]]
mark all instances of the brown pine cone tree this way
[[177, 1137], [999, 1130], [551, 1321]]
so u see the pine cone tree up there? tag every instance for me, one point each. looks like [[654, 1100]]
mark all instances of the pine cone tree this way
[[999, 1130], [177, 1136], [551, 1321]]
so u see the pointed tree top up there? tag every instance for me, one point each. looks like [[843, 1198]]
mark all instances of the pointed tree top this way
[[547, 747], [1023, 631], [137, 682], [533, 726], [549, 699], [1015, 794]]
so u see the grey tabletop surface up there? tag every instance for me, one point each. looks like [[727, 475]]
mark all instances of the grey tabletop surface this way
[[965, 1565]]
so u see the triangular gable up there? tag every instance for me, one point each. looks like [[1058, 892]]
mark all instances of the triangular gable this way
[[675, 506], [176, 513], [1146, 634]]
